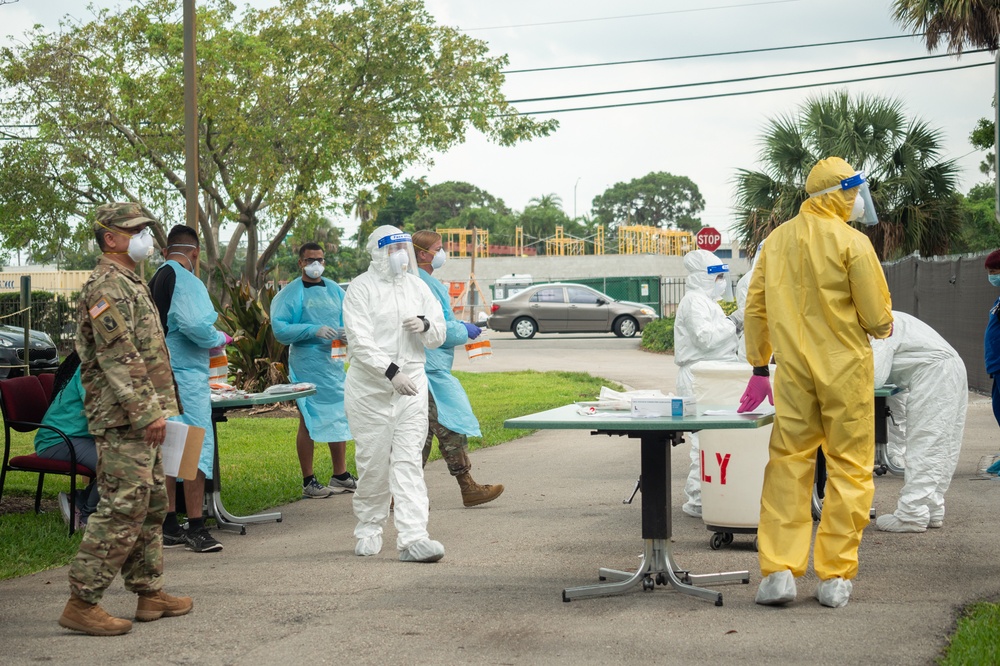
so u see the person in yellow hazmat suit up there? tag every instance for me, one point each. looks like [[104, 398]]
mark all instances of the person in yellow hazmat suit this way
[[817, 293]]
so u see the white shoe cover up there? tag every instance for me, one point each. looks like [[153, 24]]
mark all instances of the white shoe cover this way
[[834, 592], [776, 589], [935, 523], [368, 546], [425, 550], [890, 523], [693, 510]]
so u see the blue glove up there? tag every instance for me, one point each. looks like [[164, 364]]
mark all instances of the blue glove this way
[[473, 330]]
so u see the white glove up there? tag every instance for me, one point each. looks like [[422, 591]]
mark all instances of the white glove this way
[[737, 319], [403, 384], [414, 325], [326, 333]]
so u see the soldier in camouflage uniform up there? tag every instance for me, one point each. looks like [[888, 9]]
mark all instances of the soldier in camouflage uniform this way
[[130, 391]]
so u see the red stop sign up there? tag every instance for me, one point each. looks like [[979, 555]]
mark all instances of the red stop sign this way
[[709, 239]]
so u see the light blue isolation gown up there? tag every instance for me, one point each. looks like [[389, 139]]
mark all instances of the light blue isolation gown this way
[[453, 408], [297, 313], [191, 333]]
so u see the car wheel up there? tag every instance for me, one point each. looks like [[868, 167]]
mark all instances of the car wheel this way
[[626, 327], [524, 328]]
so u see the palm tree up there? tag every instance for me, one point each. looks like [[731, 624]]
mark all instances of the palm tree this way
[[914, 190], [964, 23], [546, 201]]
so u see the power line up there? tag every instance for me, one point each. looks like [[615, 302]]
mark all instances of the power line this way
[[706, 55], [629, 16], [751, 92], [738, 80]]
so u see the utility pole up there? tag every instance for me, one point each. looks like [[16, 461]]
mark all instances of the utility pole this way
[[574, 197]]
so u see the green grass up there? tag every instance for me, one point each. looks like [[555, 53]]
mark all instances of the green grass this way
[[260, 469], [975, 640]]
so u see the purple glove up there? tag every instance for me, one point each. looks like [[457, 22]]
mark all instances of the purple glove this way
[[758, 388], [472, 330], [229, 338]]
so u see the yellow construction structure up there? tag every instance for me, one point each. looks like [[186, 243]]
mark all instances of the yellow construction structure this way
[[599, 240], [518, 241], [562, 245], [638, 239], [456, 242]]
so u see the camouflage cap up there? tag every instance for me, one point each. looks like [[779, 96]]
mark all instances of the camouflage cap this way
[[124, 215]]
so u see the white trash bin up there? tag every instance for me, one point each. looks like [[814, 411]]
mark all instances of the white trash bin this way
[[733, 461]]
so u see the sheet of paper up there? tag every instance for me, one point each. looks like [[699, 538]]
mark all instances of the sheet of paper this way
[[181, 449], [173, 447]]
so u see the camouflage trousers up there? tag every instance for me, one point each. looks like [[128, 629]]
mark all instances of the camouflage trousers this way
[[125, 533], [454, 447]]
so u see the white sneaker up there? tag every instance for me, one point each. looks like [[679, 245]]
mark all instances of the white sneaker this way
[[64, 507], [425, 550], [776, 589], [890, 523], [834, 592], [693, 510], [368, 546]]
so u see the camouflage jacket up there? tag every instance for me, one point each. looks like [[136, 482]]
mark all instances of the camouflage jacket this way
[[124, 362]]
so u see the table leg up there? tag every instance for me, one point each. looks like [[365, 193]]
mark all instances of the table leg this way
[[215, 507], [657, 566]]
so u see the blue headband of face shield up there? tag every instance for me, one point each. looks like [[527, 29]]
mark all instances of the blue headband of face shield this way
[[718, 268], [394, 238]]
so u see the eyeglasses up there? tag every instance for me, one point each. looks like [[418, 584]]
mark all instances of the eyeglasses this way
[[314, 260]]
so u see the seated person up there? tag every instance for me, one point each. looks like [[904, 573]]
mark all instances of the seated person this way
[[65, 412]]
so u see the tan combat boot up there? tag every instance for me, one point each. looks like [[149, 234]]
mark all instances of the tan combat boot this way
[[474, 494], [91, 619], [154, 605]]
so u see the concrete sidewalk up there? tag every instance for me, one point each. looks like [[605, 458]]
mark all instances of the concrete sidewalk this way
[[294, 592]]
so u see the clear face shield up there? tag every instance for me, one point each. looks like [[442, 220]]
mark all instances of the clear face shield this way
[[723, 289], [398, 248], [864, 209]]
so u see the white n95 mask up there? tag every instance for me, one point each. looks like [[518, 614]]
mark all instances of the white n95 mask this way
[[439, 258], [399, 262], [314, 269], [140, 245]]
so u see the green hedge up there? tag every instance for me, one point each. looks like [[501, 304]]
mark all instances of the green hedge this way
[[658, 336]]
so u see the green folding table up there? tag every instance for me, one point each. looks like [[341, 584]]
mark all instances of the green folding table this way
[[656, 434], [215, 507]]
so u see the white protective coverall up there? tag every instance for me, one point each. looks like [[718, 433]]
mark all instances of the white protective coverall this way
[[388, 427], [916, 358], [702, 332]]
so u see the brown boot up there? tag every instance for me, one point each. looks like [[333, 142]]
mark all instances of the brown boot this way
[[91, 619], [154, 605], [474, 494]]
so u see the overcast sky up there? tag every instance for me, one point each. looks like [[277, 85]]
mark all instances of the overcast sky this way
[[706, 140]]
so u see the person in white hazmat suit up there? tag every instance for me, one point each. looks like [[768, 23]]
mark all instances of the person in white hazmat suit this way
[[742, 288], [702, 332], [916, 358], [390, 316]]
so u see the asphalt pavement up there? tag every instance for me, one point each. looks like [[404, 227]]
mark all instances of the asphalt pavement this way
[[294, 592]]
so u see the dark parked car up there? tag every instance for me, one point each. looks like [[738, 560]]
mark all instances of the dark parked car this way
[[42, 353], [568, 308]]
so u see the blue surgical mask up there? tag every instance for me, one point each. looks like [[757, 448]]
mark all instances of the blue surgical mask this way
[[995, 280]]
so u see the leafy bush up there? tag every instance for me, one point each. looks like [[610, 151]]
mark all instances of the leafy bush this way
[[729, 307], [256, 358], [658, 336]]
